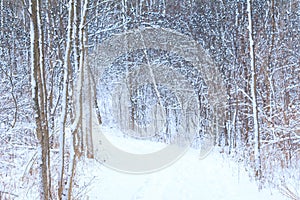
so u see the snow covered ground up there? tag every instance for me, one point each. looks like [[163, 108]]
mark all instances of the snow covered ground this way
[[189, 178]]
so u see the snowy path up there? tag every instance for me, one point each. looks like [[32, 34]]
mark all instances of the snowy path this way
[[213, 178]]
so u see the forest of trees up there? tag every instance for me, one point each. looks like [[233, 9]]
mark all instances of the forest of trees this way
[[45, 46]]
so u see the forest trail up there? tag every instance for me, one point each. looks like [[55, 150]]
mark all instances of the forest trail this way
[[213, 178]]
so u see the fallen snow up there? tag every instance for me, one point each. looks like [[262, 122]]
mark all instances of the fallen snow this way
[[189, 178]]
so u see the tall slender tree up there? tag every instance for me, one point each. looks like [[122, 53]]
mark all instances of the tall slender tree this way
[[253, 94], [39, 97]]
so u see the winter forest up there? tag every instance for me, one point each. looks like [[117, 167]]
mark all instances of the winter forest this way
[[225, 74]]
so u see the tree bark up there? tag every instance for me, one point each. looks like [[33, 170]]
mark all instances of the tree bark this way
[[65, 93], [39, 98], [253, 95]]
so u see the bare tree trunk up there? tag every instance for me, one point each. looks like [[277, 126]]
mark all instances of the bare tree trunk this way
[[82, 44], [66, 66], [253, 95], [79, 53], [39, 98]]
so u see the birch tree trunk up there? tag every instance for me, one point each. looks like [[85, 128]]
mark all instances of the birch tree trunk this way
[[253, 95]]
